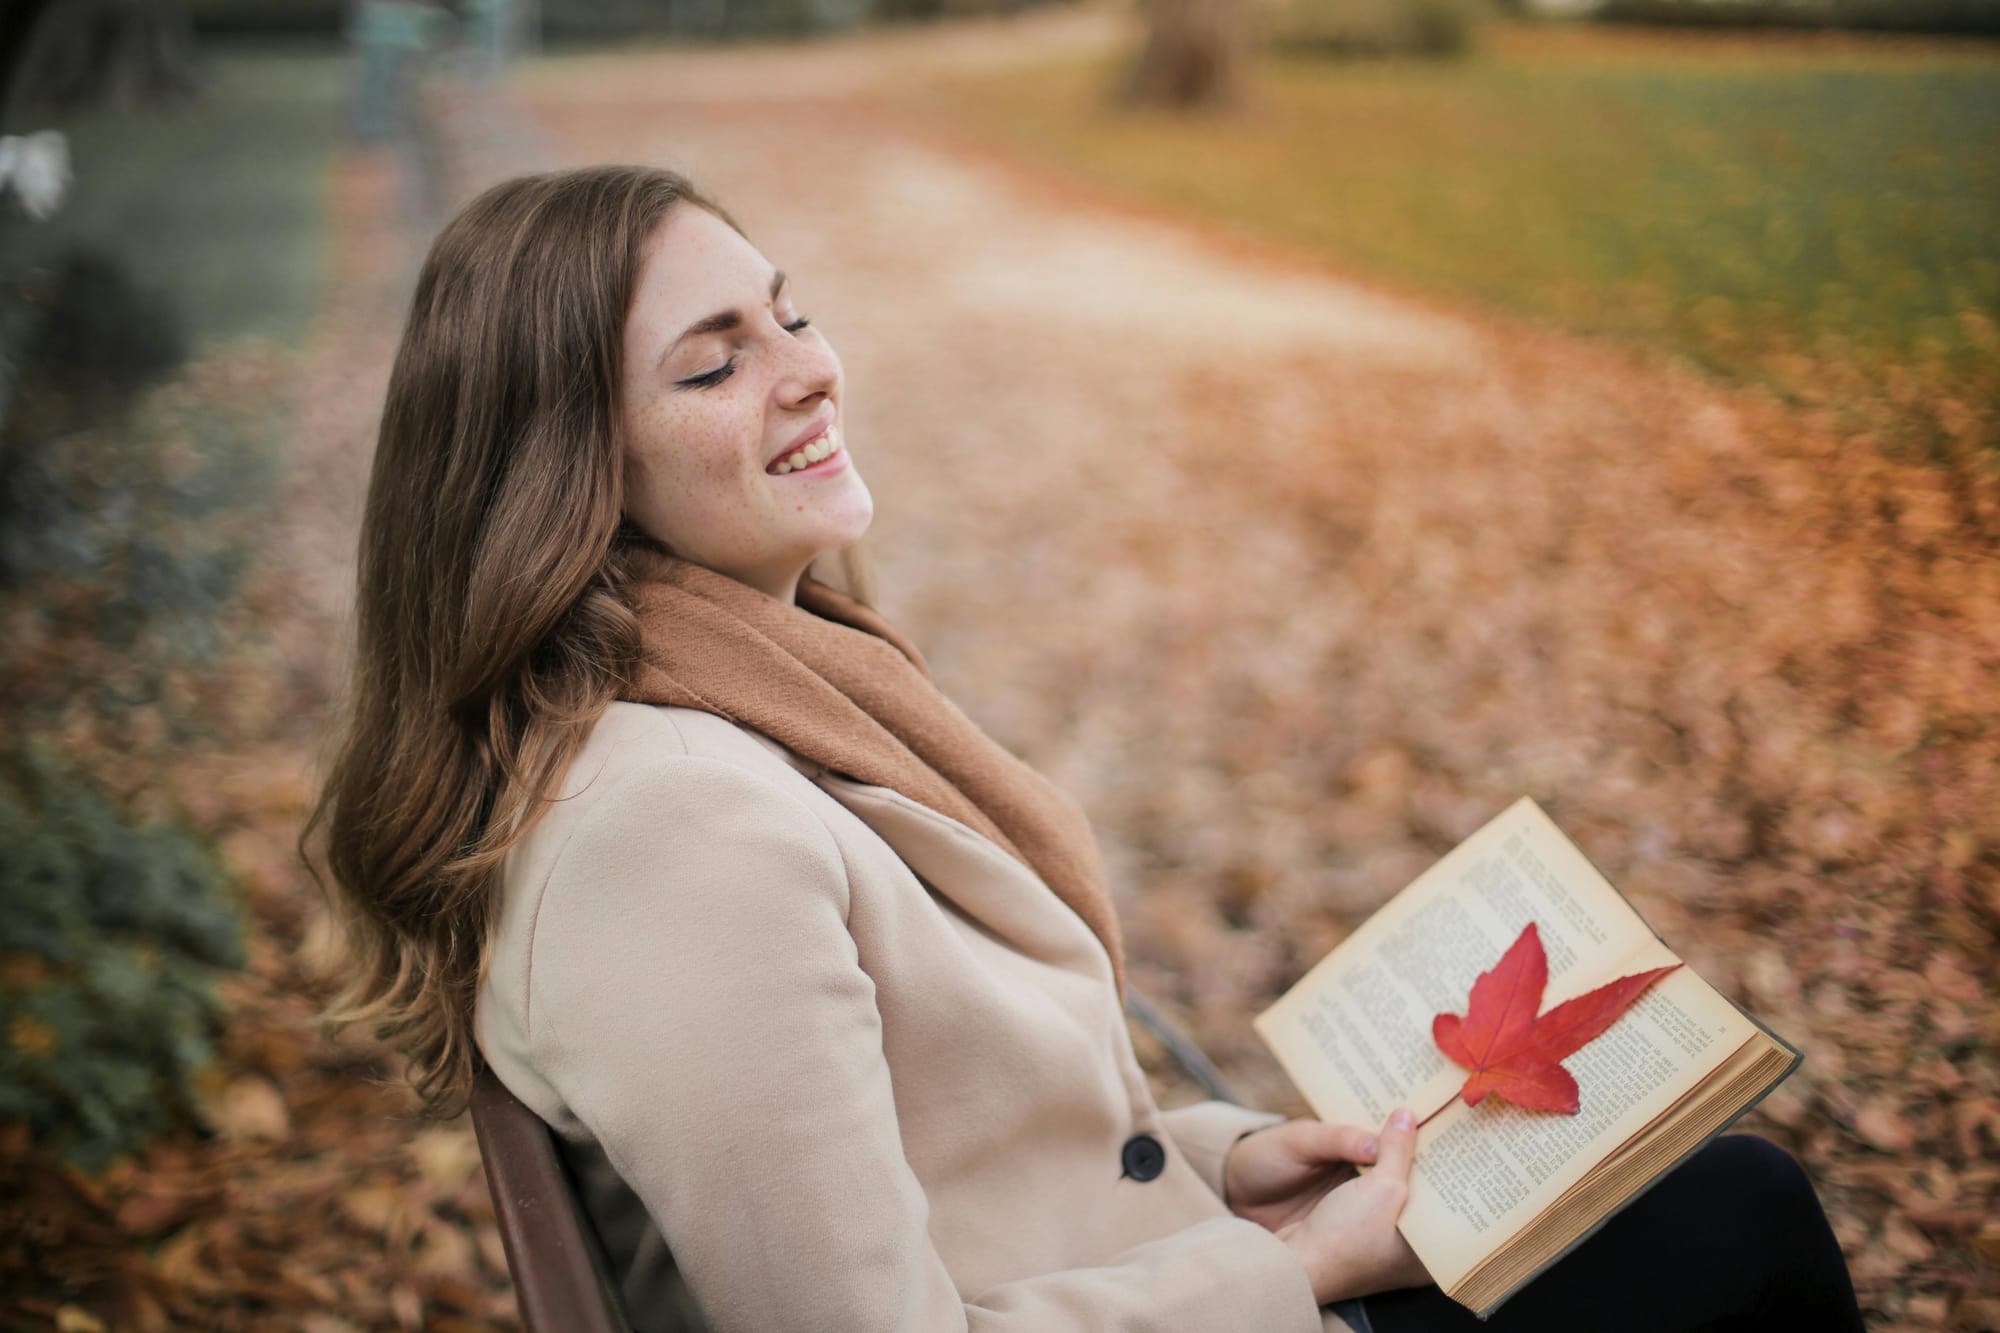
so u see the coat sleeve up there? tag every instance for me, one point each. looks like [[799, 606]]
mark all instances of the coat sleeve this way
[[696, 998], [1206, 1131]]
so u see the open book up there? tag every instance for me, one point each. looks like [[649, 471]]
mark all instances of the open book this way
[[1499, 1193]]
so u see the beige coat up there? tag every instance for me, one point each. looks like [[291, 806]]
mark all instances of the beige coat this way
[[853, 1063]]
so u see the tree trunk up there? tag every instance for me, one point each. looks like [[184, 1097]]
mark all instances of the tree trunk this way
[[1193, 56]]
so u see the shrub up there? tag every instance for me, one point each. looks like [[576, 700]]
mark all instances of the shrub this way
[[109, 939]]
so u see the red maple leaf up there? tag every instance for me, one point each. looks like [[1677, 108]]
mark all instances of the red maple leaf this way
[[1512, 1053]]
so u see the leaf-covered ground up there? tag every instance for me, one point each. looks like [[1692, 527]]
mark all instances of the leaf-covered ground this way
[[1292, 581]]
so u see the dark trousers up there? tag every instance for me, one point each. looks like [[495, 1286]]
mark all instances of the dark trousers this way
[[1731, 1239]]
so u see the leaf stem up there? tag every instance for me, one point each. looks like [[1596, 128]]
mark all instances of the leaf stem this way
[[1440, 1111]]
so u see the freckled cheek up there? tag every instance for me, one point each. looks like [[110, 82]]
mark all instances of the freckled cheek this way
[[687, 458]]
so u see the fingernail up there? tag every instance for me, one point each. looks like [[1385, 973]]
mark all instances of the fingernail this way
[[1403, 1118], [1369, 1147]]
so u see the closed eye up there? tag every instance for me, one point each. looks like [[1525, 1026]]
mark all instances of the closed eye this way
[[728, 368]]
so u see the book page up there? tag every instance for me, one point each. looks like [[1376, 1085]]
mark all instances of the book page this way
[[1355, 1033], [1484, 1172]]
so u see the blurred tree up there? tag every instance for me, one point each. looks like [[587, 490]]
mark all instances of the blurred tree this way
[[56, 54], [1193, 55]]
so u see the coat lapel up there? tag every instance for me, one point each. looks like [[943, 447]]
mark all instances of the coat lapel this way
[[976, 875]]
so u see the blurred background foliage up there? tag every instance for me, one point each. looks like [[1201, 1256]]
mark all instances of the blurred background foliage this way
[[143, 390], [124, 531]]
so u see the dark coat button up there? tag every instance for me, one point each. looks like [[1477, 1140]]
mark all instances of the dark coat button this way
[[1143, 1157]]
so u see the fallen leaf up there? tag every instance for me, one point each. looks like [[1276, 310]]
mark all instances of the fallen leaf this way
[[446, 1250], [251, 1108], [1512, 1053], [407, 1306], [149, 1214], [183, 1263], [1979, 1312], [445, 1157], [320, 1322], [1905, 1241], [1927, 1311], [382, 1208], [1987, 1243], [1881, 1127]]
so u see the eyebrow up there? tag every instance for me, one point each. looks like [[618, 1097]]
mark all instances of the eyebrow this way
[[721, 320]]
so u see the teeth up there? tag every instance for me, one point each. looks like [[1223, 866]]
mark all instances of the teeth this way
[[824, 447]]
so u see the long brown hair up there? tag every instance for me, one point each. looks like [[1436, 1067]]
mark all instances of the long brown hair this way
[[491, 630]]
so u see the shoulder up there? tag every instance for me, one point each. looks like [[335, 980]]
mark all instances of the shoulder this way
[[670, 824], [679, 845], [654, 780], [679, 860], [628, 735]]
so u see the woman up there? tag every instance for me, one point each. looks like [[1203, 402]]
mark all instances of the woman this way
[[819, 987]]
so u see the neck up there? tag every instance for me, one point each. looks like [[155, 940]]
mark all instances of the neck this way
[[777, 581]]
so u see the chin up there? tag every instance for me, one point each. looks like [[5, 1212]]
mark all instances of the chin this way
[[847, 517]]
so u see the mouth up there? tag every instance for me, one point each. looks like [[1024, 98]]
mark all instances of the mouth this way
[[822, 453]]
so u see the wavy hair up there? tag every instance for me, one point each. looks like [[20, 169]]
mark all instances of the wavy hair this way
[[491, 629]]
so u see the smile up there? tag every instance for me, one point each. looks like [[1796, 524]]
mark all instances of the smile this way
[[810, 455]]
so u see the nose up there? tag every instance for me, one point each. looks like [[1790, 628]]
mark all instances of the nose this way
[[811, 370]]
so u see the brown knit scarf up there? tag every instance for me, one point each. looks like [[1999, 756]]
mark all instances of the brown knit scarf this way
[[830, 680]]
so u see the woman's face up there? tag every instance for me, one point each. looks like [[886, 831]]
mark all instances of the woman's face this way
[[734, 449]]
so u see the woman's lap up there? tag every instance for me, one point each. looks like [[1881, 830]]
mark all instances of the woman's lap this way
[[1732, 1238]]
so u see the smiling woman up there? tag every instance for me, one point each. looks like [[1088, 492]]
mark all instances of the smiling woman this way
[[713, 408], [817, 985]]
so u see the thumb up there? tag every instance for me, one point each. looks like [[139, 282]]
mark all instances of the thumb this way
[[1398, 1144]]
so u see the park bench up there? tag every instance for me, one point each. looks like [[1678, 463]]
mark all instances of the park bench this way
[[561, 1280]]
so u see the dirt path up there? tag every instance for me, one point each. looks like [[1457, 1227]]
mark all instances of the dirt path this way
[[1294, 583]]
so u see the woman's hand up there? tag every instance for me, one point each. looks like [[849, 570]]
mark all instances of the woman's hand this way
[[1274, 1176], [1347, 1239]]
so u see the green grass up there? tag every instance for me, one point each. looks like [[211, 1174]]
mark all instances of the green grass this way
[[1791, 212], [216, 203]]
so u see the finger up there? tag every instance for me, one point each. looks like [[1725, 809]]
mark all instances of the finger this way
[[1343, 1143], [1398, 1144]]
